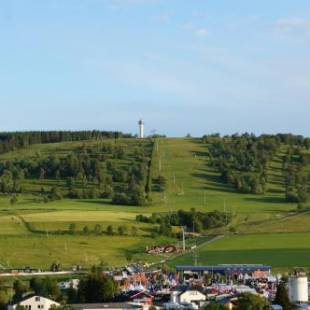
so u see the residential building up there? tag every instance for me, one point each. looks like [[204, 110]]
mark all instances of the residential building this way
[[35, 303]]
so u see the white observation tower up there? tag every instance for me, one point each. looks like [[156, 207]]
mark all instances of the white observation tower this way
[[141, 128]]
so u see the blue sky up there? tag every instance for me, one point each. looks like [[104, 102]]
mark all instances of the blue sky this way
[[185, 66]]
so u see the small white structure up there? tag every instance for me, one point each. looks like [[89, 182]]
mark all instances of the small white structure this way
[[241, 289], [191, 299], [298, 288], [191, 296], [141, 129], [35, 303], [74, 283]]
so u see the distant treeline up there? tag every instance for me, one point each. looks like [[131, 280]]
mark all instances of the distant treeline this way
[[242, 161], [10, 141], [285, 138]]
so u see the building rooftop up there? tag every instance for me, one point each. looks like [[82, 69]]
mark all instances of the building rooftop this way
[[225, 268]]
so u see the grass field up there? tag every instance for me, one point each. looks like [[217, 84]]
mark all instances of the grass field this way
[[280, 250], [272, 232], [41, 251]]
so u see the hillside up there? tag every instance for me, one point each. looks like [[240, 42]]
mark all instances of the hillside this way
[[269, 229]]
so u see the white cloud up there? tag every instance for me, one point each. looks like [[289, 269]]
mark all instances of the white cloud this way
[[162, 18], [197, 31], [293, 26], [202, 32], [188, 26], [148, 77], [153, 57]]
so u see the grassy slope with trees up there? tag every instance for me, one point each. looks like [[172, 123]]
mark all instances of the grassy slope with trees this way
[[190, 182]]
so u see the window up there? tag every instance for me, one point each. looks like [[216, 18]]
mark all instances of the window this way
[[37, 298]]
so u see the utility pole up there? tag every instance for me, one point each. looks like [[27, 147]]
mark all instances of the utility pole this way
[[194, 218], [225, 211], [115, 136], [183, 238], [195, 256]]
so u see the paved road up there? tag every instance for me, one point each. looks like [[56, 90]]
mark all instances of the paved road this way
[[43, 273]]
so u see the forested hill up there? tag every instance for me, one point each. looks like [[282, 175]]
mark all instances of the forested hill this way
[[124, 170], [10, 141]]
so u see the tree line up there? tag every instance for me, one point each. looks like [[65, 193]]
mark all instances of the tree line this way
[[194, 221], [122, 230], [10, 141]]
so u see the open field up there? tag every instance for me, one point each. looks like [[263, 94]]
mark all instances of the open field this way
[[191, 183], [282, 250], [42, 251]]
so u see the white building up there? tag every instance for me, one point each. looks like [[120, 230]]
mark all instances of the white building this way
[[298, 288], [35, 303], [191, 296], [191, 299]]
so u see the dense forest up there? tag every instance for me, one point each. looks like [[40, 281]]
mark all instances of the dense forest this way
[[10, 141], [242, 161]]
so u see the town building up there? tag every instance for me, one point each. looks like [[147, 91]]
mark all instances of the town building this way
[[187, 299], [35, 303], [236, 271]]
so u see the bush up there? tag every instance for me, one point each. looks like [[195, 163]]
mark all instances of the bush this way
[[110, 231], [122, 230], [13, 200], [85, 230]]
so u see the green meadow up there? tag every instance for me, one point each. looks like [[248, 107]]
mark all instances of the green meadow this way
[[267, 229], [280, 250]]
